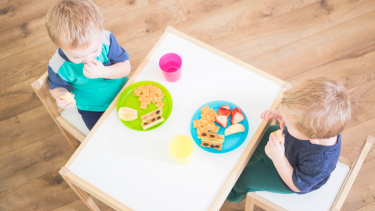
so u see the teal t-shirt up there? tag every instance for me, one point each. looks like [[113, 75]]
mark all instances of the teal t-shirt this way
[[90, 94]]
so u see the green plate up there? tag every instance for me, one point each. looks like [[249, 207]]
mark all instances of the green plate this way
[[127, 99]]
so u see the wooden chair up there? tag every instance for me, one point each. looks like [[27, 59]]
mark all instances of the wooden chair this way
[[331, 196], [69, 121]]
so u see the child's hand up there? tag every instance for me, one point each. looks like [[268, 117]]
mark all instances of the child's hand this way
[[274, 149], [267, 115], [94, 69], [64, 104]]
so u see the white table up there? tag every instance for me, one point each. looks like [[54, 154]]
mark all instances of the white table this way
[[133, 170]]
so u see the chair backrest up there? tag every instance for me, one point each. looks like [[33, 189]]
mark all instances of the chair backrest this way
[[41, 88]]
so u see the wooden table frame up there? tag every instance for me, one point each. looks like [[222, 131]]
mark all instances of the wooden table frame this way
[[81, 187]]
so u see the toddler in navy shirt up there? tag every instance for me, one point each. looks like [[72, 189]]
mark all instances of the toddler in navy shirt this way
[[315, 113]]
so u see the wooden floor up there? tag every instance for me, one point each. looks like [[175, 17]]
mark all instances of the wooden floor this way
[[292, 39]]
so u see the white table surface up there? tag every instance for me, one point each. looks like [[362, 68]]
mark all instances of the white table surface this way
[[136, 168]]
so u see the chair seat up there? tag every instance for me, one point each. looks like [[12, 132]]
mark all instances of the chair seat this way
[[74, 118], [321, 199]]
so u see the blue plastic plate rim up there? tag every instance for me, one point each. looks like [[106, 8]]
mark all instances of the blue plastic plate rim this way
[[231, 142]]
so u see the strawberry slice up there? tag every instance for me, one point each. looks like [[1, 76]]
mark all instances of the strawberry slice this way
[[225, 106], [222, 121], [224, 112], [237, 116]]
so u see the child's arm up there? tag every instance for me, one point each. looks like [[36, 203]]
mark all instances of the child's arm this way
[[285, 171], [96, 69], [276, 152], [56, 93]]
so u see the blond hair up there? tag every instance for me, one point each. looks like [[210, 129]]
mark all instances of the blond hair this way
[[73, 23], [320, 107]]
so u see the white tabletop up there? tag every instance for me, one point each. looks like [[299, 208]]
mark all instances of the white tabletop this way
[[136, 168]]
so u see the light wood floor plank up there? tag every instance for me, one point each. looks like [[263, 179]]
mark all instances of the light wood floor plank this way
[[26, 64], [26, 128], [354, 137], [318, 49], [17, 99], [28, 35], [32, 32], [33, 161], [237, 16], [370, 207], [46, 192], [150, 19], [291, 27], [363, 103], [17, 12], [113, 8], [352, 70], [194, 8]]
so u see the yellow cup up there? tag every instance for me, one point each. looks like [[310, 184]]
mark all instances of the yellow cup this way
[[181, 147]]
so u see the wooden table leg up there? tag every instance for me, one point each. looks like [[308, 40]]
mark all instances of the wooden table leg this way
[[249, 203], [81, 193]]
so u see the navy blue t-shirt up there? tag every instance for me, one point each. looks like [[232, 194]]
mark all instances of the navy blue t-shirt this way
[[312, 164]]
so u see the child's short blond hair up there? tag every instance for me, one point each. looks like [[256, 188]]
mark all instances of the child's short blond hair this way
[[73, 23], [320, 107]]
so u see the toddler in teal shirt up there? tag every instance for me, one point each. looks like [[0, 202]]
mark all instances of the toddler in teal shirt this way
[[89, 63]]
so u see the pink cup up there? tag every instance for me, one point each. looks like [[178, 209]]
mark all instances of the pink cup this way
[[170, 64]]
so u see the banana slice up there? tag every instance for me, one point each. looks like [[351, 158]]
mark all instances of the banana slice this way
[[127, 114]]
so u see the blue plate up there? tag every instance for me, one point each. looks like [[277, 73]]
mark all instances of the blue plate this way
[[232, 141]]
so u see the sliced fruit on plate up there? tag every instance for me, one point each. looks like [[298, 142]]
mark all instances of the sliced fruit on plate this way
[[236, 128], [211, 136], [212, 144], [224, 111], [153, 113], [279, 135], [222, 121], [152, 122], [127, 114], [225, 106], [237, 116]]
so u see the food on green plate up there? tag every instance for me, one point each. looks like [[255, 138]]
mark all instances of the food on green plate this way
[[127, 114], [68, 97], [154, 113], [152, 122], [159, 105], [149, 94], [212, 144], [211, 136], [236, 128], [143, 105]]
